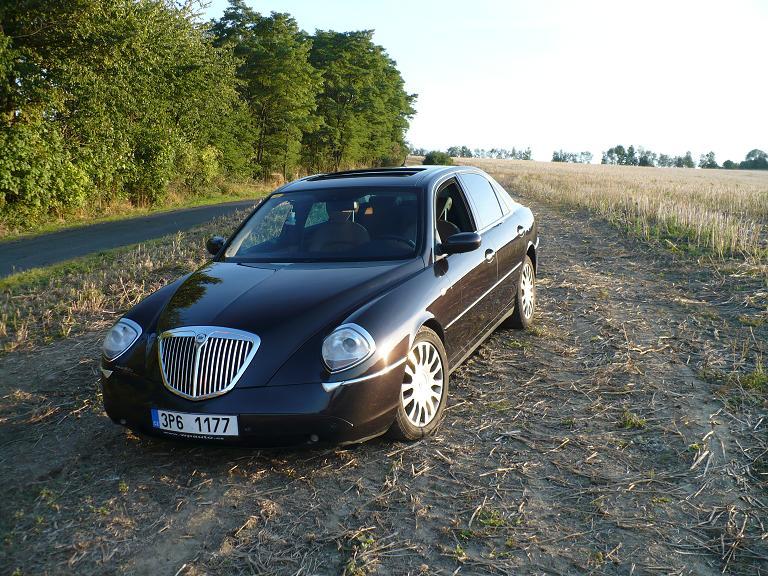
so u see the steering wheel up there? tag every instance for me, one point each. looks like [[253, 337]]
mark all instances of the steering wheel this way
[[411, 244]]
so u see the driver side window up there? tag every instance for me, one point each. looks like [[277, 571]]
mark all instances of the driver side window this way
[[451, 212]]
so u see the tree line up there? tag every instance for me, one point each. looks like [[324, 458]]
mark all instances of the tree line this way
[[572, 157], [618, 155], [466, 152], [103, 100]]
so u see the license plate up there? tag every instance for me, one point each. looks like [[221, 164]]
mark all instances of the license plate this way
[[195, 424]]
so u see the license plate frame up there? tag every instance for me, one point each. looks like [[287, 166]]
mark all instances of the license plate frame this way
[[193, 424]]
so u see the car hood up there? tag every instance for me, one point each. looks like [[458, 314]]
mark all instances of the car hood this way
[[284, 304]]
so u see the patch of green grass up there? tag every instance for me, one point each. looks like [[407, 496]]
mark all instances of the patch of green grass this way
[[631, 421], [500, 405], [596, 559], [459, 553], [709, 314], [753, 321], [38, 277], [756, 380], [491, 517], [536, 330]]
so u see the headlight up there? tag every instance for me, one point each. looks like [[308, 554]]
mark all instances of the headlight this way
[[347, 346], [120, 338]]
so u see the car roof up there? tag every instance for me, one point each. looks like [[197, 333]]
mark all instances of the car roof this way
[[403, 176]]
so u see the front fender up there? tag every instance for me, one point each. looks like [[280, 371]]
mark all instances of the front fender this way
[[394, 319]]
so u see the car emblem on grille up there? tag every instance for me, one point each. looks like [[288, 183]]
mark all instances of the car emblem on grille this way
[[199, 362]]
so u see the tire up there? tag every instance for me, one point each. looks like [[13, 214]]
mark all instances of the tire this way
[[525, 298], [419, 416]]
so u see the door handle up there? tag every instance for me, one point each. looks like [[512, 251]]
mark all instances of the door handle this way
[[489, 255]]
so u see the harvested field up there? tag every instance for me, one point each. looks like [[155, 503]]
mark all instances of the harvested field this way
[[715, 213], [625, 434]]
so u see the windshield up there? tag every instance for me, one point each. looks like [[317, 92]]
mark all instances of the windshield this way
[[330, 225]]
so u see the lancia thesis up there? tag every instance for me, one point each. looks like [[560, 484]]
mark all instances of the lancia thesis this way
[[335, 312]]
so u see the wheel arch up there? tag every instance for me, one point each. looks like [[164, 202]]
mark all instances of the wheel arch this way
[[531, 253], [436, 327], [427, 319]]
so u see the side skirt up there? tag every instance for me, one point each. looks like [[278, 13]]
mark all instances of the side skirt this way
[[482, 339]]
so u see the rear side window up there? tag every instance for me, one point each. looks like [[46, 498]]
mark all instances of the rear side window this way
[[507, 203], [483, 198]]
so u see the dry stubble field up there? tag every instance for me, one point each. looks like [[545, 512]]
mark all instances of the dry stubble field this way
[[625, 434]]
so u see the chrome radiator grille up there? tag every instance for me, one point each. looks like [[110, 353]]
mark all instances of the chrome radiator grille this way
[[199, 362]]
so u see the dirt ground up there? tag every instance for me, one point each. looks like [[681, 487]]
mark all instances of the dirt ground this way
[[625, 434]]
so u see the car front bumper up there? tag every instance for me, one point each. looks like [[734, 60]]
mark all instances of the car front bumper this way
[[267, 415]]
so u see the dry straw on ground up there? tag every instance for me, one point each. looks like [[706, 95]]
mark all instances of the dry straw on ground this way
[[624, 435]]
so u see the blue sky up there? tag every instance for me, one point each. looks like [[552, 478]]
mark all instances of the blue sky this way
[[580, 75]]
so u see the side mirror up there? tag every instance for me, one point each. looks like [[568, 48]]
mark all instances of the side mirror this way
[[461, 242], [215, 244]]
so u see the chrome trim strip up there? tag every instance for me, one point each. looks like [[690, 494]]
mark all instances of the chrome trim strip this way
[[331, 386], [452, 322], [180, 353]]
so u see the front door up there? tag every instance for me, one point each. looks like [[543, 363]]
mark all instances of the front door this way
[[471, 274]]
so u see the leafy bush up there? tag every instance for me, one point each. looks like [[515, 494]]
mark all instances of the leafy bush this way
[[118, 100], [435, 157], [37, 172]]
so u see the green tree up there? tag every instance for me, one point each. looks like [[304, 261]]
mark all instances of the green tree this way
[[363, 106], [684, 161], [278, 83], [435, 157], [647, 158], [708, 161], [572, 157], [755, 160], [105, 99]]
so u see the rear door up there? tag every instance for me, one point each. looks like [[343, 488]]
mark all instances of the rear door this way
[[514, 228], [499, 243]]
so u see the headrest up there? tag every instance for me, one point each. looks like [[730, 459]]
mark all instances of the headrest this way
[[341, 206], [443, 207], [383, 201]]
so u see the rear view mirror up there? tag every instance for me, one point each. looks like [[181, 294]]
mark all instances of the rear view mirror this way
[[461, 242], [215, 244]]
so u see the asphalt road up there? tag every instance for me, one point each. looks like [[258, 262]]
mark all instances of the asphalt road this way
[[48, 249]]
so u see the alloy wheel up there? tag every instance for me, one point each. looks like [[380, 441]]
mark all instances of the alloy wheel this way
[[422, 389], [527, 290]]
